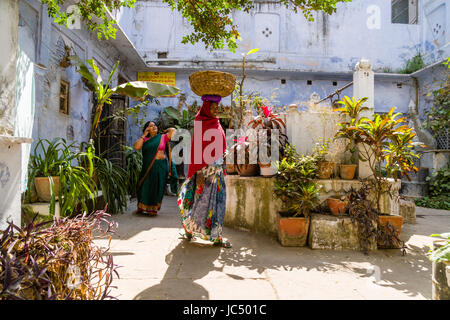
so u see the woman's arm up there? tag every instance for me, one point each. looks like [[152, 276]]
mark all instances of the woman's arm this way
[[170, 132], [140, 142]]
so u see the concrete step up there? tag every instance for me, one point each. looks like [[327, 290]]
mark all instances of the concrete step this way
[[419, 176], [414, 189]]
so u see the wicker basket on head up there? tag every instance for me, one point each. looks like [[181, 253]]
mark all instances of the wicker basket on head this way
[[212, 82]]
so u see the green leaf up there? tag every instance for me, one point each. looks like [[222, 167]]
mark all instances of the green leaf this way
[[173, 113], [140, 89], [252, 51]]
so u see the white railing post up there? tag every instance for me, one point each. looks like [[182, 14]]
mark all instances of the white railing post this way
[[364, 86]]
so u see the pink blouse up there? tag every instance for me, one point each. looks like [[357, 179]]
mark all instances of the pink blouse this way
[[164, 139], [162, 145]]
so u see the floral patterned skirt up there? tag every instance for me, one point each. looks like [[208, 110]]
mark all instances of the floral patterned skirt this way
[[202, 200]]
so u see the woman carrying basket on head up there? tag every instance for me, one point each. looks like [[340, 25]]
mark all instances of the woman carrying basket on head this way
[[202, 196]]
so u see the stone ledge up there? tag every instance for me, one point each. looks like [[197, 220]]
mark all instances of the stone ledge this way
[[13, 139], [334, 233]]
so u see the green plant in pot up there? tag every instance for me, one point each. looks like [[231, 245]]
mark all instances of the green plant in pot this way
[[351, 109], [57, 174], [296, 186], [325, 168], [386, 144], [268, 121]]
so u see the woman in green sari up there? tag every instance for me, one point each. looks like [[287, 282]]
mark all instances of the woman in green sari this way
[[157, 167]]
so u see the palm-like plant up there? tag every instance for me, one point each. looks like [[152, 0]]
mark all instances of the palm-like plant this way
[[137, 90], [351, 108]]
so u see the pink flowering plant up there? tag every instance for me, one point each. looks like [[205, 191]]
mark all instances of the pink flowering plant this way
[[268, 120]]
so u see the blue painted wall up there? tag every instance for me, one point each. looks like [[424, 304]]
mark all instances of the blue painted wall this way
[[324, 51]]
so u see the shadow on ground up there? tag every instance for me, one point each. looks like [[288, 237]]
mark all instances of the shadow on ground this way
[[256, 255], [171, 286]]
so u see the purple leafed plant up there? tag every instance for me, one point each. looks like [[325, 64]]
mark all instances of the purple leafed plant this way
[[57, 262]]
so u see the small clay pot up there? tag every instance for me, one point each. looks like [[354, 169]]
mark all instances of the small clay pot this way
[[43, 188], [247, 170], [325, 169], [337, 206], [267, 170], [347, 171]]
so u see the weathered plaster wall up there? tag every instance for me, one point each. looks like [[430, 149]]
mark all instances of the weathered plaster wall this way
[[324, 51], [8, 58], [44, 41], [360, 29], [295, 91]]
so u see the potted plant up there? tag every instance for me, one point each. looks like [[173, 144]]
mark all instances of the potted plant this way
[[296, 186], [338, 205], [56, 173], [324, 168], [45, 168], [351, 109], [267, 121], [245, 152], [387, 146], [231, 167]]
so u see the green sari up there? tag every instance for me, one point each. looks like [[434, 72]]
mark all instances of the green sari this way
[[154, 175]]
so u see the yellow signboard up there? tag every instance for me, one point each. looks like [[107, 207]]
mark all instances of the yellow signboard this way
[[159, 77]]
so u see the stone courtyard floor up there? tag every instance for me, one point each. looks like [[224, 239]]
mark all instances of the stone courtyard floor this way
[[156, 263]]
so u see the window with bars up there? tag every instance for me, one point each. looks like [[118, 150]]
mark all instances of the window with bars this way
[[404, 11], [64, 97]]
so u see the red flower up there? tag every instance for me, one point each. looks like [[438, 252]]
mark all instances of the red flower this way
[[241, 139], [179, 201], [267, 111], [208, 223]]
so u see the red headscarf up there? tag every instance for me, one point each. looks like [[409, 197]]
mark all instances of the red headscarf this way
[[207, 122]]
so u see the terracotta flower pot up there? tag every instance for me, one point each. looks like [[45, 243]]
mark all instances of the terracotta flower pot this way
[[337, 206], [347, 171], [231, 169], [267, 170], [43, 189], [292, 232], [325, 169], [247, 170], [396, 221]]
